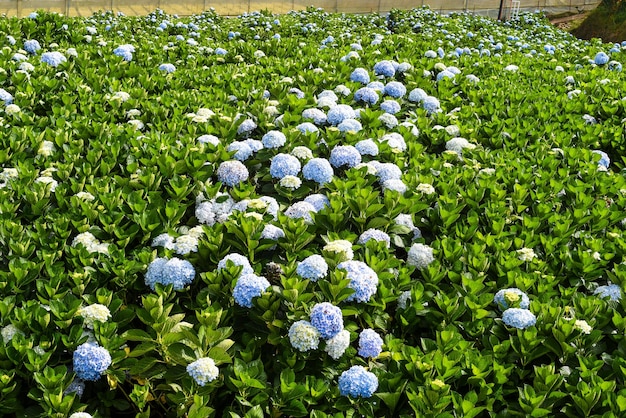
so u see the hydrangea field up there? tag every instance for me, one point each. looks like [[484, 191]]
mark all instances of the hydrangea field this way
[[310, 214]]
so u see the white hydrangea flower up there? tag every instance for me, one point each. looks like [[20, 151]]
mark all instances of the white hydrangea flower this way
[[526, 254], [46, 148], [12, 109], [122, 96], [93, 313], [341, 247], [583, 326], [186, 244], [420, 256], [86, 196], [90, 243], [425, 188], [8, 332], [337, 345], [48, 180]]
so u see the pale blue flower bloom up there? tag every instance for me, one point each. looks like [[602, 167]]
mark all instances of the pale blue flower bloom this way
[[395, 185], [370, 343], [254, 144], [32, 46], [417, 95], [284, 165], [313, 268], [504, 296], [301, 210], [601, 58], [376, 86], [366, 95], [612, 291], [303, 336], [519, 318], [318, 170], [54, 58], [168, 68], [318, 117], [307, 127], [272, 232], [232, 173], [125, 52], [273, 139], [376, 235], [344, 155], [357, 382], [367, 147], [431, 105], [318, 200], [243, 150], [395, 89], [248, 287], [246, 127], [339, 113], [220, 51], [6, 97], [384, 68], [360, 75], [387, 171], [390, 106], [363, 280], [238, 260], [350, 125], [605, 161], [327, 318], [179, 273], [90, 361], [203, 370]]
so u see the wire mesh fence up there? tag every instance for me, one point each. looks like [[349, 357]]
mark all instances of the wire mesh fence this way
[[22, 8]]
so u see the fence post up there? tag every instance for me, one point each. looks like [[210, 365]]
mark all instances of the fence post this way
[[67, 7], [18, 7]]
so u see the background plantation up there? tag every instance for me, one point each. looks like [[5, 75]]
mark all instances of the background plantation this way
[[310, 214]]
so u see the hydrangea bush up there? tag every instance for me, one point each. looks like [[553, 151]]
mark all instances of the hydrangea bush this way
[[310, 214]]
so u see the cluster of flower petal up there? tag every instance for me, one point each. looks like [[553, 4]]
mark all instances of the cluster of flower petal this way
[[318, 200], [376, 235], [605, 161], [284, 165], [318, 117], [611, 291], [360, 75], [274, 139], [458, 145], [363, 280], [90, 361], [8, 332], [179, 273], [248, 287], [314, 267], [301, 210], [232, 173], [519, 318], [339, 113], [91, 243], [327, 318], [203, 370], [344, 155], [357, 382], [125, 52], [385, 68], [420, 256], [511, 298], [304, 336], [237, 260], [167, 68], [370, 343], [395, 89], [94, 313], [341, 247], [366, 95], [54, 58], [246, 127]]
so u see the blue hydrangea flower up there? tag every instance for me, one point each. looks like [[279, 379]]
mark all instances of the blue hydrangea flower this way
[[284, 165], [605, 161], [232, 173], [318, 170], [395, 89], [54, 58], [367, 147], [376, 235], [91, 361], [363, 280], [313, 267], [339, 113], [384, 68], [512, 297], [601, 58], [366, 95], [273, 139], [19, 57], [612, 291], [344, 155], [168, 68], [395, 185], [431, 105], [430, 54], [220, 51], [318, 117], [307, 127], [376, 86], [614, 66], [390, 106], [238, 260], [243, 150], [350, 125], [519, 318], [248, 287], [301, 210], [360, 75], [254, 144], [417, 95], [246, 127], [272, 232], [445, 74], [6, 97], [357, 382], [318, 200], [327, 318], [388, 171], [298, 93], [125, 52], [303, 336], [203, 370], [370, 343], [179, 273], [32, 46]]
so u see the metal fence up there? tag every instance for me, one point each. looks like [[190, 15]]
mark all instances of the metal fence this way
[[22, 8]]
